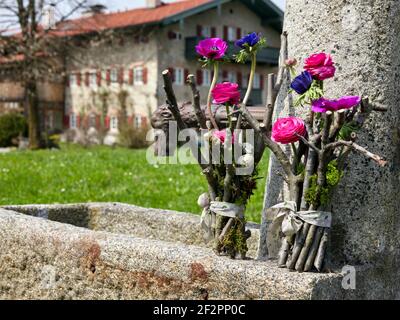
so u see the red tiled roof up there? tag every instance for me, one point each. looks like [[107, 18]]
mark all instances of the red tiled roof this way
[[127, 18], [106, 21]]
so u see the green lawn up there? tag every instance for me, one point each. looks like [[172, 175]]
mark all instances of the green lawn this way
[[101, 174]]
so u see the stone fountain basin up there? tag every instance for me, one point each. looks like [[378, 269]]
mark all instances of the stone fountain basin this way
[[119, 251]]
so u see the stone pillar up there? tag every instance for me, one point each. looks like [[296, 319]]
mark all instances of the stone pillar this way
[[363, 37]]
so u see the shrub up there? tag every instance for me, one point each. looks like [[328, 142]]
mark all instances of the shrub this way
[[134, 138], [12, 125]]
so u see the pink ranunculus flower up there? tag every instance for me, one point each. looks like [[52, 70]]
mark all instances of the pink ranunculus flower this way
[[323, 105], [226, 92], [212, 48], [221, 135], [320, 65], [288, 130]]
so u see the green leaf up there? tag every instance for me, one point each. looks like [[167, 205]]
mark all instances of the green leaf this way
[[314, 93], [347, 129]]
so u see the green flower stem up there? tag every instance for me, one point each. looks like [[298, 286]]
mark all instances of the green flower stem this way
[[294, 149], [249, 85], [251, 78], [228, 116], [209, 99], [293, 72], [295, 157]]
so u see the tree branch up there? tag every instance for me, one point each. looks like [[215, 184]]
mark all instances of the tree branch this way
[[340, 143], [282, 58], [171, 99], [273, 146], [271, 98], [338, 124], [309, 143], [201, 119]]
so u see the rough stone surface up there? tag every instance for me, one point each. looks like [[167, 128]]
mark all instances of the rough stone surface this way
[[44, 259], [363, 38], [165, 225]]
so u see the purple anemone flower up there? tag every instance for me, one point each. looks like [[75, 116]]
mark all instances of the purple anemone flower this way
[[302, 83], [323, 105], [251, 40]]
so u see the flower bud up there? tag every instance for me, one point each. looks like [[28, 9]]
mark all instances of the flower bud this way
[[291, 62]]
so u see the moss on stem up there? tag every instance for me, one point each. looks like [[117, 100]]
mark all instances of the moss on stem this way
[[320, 195]]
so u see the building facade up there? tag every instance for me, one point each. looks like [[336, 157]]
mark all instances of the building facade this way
[[50, 98], [119, 79]]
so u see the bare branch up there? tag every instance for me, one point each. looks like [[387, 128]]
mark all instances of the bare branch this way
[[171, 99], [379, 107], [380, 161], [201, 119], [308, 143], [282, 59], [173, 107], [339, 120], [327, 127], [273, 146], [271, 98]]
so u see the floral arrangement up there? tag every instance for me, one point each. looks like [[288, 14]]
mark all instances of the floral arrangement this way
[[224, 204], [312, 166]]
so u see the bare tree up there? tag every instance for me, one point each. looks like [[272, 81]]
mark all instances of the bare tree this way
[[31, 40]]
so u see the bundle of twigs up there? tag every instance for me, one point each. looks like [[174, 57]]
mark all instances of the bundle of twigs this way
[[224, 186], [313, 168]]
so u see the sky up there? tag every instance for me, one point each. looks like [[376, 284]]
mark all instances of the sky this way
[[114, 5], [7, 23]]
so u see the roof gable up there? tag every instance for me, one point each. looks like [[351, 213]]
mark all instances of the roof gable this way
[[164, 15]]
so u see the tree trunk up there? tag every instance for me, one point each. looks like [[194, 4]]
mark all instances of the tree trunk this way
[[33, 115], [363, 38], [123, 117]]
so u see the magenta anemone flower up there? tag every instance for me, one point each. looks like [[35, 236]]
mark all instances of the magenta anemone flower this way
[[323, 105], [212, 48]]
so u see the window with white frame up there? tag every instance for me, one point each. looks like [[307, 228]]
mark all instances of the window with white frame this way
[[72, 121], [72, 80], [231, 34], [12, 105], [232, 77], [175, 35], [138, 121], [114, 123], [93, 79], [206, 77], [257, 81], [178, 76], [114, 75], [138, 75], [206, 31]]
